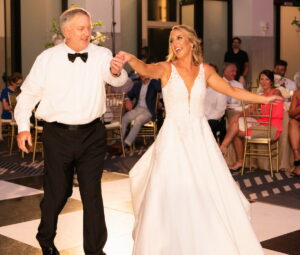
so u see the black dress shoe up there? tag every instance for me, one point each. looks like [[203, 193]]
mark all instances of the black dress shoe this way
[[51, 250]]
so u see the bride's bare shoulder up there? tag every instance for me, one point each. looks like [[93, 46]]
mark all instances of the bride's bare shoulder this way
[[208, 70], [166, 66]]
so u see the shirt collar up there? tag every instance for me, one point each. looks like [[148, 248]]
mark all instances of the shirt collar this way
[[225, 79], [69, 50], [147, 83]]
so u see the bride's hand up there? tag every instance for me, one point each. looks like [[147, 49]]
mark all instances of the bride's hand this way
[[124, 56], [274, 99]]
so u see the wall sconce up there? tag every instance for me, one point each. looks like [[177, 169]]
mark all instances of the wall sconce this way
[[264, 27]]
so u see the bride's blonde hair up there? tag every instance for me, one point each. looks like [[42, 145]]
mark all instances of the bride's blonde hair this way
[[197, 48]]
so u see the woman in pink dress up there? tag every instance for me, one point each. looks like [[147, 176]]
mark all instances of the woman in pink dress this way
[[234, 132]]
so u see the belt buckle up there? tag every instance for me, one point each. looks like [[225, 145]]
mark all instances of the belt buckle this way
[[73, 127]]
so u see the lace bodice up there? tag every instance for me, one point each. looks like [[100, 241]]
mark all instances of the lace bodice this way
[[178, 102]]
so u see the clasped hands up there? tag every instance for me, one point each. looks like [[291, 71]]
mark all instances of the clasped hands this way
[[118, 62]]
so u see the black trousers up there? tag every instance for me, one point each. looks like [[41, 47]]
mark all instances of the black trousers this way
[[218, 128], [65, 150]]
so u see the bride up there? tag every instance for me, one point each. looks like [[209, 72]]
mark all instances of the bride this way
[[185, 200]]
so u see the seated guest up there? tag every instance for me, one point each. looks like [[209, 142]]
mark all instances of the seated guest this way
[[142, 109], [234, 132], [297, 79], [215, 106], [229, 73], [15, 81], [287, 85], [294, 130]]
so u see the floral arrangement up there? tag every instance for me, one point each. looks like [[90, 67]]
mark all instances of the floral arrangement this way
[[97, 37]]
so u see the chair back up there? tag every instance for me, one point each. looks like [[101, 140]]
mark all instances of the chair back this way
[[252, 112], [114, 107], [12, 100]]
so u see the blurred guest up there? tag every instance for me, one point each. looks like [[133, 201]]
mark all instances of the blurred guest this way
[[235, 132], [229, 74], [15, 81], [143, 109], [280, 68], [240, 58], [215, 106], [294, 130], [297, 79]]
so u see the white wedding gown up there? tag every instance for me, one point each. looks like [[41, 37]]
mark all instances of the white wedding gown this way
[[184, 198]]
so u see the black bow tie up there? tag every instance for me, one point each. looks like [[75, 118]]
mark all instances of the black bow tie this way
[[83, 56]]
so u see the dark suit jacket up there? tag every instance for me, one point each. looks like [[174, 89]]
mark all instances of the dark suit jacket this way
[[153, 88]]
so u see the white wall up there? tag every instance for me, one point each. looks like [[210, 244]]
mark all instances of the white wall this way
[[36, 23], [248, 15], [102, 9]]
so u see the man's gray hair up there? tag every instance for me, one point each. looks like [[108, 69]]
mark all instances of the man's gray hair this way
[[227, 64], [68, 15]]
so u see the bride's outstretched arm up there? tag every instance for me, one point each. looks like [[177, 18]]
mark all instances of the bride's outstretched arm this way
[[218, 84], [155, 70]]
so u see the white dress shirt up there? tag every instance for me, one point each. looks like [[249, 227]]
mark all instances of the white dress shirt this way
[[143, 93], [69, 93], [289, 84], [215, 104], [233, 103]]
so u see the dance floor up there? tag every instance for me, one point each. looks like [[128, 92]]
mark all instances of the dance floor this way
[[275, 213]]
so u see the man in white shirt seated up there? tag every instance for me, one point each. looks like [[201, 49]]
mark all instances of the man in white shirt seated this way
[[229, 73], [215, 106], [287, 85]]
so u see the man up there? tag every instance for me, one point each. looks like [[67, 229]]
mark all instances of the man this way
[[215, 106], [229, 74], [69, 82], [143, 109], [280, 68], [240, 58]]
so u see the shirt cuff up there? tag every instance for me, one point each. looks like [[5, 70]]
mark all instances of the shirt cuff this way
[[115, 74], [118, 81], [23, 127]]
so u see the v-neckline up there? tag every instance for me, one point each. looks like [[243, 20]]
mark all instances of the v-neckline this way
[[189, 92]]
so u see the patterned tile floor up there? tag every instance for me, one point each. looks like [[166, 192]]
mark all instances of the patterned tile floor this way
[[275, 212]]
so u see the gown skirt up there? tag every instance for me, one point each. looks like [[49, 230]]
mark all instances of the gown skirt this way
[[185, 200]]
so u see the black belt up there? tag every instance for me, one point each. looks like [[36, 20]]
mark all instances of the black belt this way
[[75, 127]]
